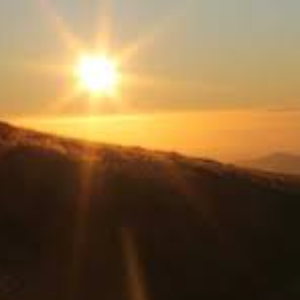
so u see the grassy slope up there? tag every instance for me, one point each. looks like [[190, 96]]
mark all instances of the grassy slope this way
[[85, 221]]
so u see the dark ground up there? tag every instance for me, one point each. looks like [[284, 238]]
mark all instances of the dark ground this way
[[90, 221]]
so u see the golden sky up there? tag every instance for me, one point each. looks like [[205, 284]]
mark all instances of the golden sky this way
[[226, 135], [208, 77], [186, 55]]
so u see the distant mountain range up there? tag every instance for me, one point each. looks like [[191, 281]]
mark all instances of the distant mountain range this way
[[277, 162], [84, 221]]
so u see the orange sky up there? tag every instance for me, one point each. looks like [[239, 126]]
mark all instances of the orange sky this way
[[225, 135], [211, 77], [187, 55]]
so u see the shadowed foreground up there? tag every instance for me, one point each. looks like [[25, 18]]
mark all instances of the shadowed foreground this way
[[85, 221]]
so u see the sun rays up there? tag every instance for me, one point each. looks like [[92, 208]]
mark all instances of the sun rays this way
[[101, 71]]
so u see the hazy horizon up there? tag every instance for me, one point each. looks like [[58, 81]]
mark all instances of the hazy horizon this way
[[209, 134]]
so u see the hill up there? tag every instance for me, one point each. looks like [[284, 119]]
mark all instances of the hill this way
[[93, 221], [277, 162]]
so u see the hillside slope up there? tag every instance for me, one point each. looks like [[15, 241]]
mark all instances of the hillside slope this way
[[90, 221]]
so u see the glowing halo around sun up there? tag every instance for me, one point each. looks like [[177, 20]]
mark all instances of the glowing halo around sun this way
[[98, 77], [97, 74]]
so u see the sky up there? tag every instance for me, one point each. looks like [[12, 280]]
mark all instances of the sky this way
[[191, 56], [226, 135]]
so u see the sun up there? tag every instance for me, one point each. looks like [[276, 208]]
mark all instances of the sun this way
[[97, 74]]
